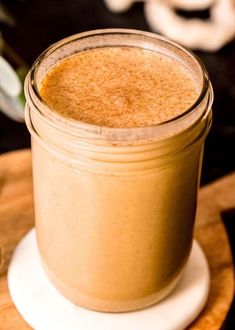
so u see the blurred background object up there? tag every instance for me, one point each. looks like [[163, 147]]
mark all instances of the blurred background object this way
[[164, 16], [11, 92], [5, 16]]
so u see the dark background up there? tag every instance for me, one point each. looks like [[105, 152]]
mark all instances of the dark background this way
[[42, 22]]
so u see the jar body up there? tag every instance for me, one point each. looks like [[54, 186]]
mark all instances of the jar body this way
[[115, 242], [114, 222]]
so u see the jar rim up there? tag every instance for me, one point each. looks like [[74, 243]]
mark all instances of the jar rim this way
[[112, 133]]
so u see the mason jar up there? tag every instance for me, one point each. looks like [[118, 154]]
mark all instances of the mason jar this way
[[115, 207]]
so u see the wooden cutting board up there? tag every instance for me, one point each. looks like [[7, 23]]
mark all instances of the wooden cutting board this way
[[16, 218]]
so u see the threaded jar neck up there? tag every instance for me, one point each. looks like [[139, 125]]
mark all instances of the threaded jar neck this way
[[126, 145]]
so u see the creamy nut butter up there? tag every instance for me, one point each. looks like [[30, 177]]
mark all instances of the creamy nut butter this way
[[119, 87], [118, 120]]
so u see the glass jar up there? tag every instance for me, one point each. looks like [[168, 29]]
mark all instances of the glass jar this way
[[115, 207]]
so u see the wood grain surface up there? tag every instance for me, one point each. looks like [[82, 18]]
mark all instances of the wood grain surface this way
[[16, 218]]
